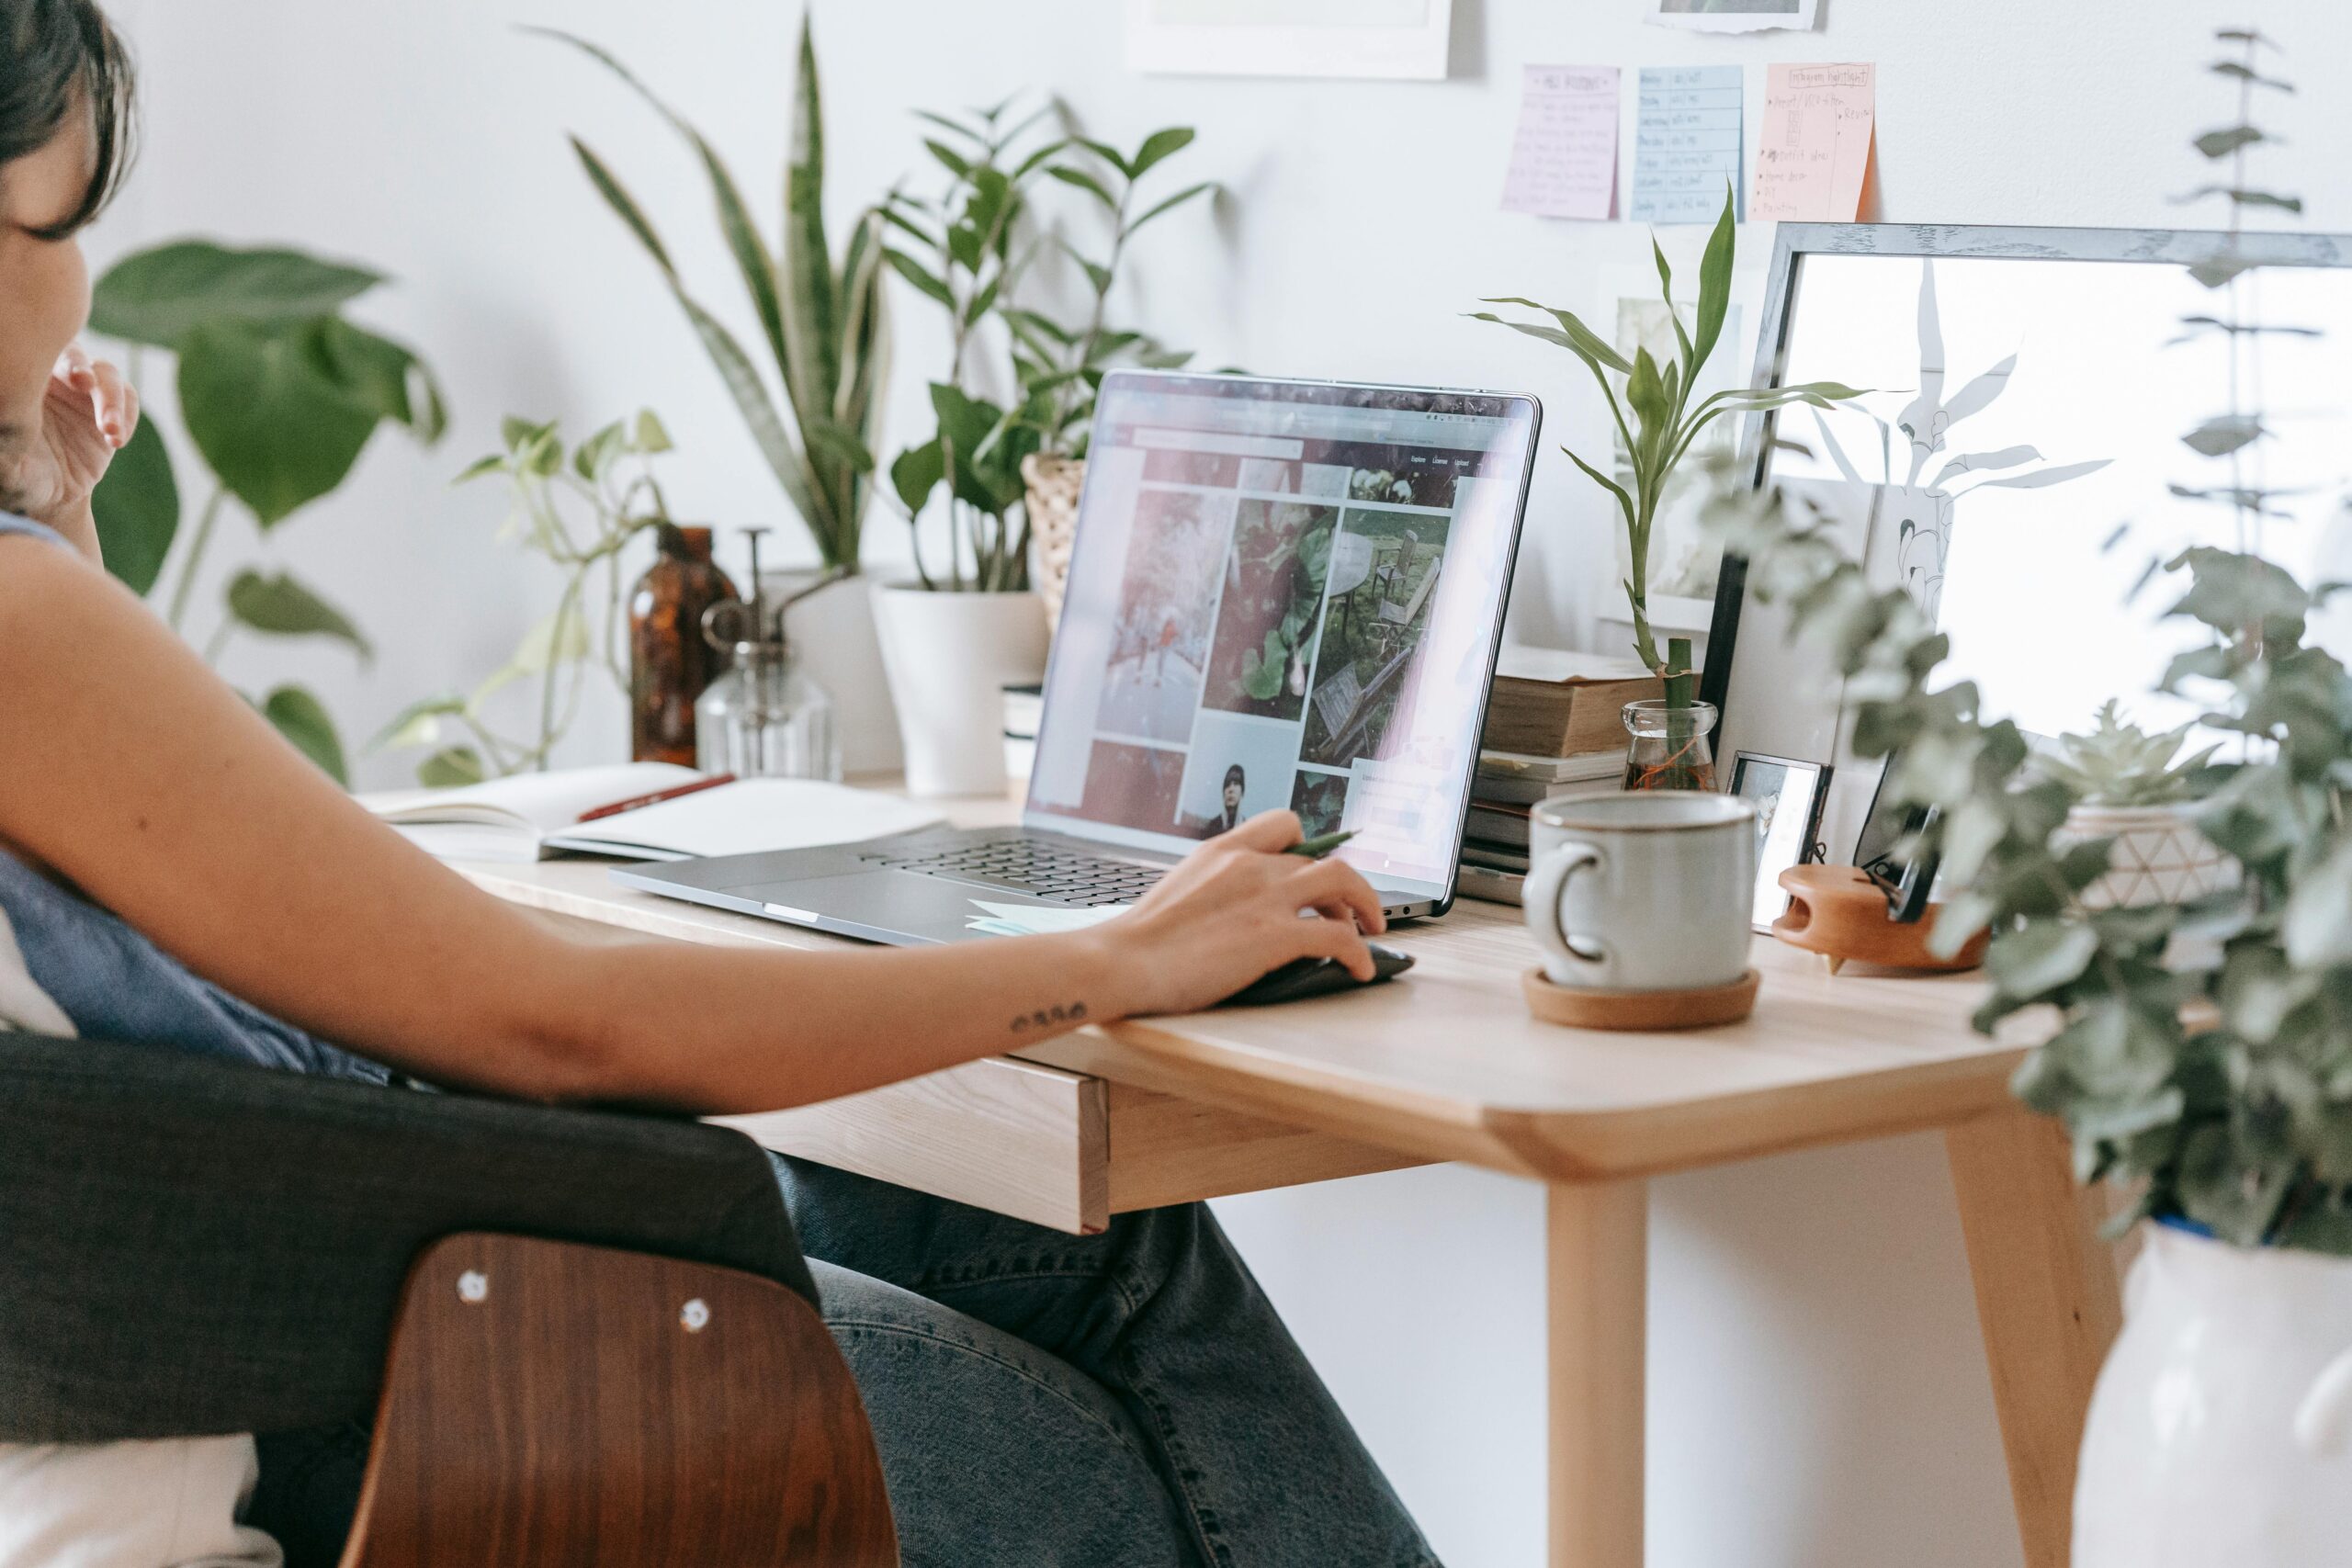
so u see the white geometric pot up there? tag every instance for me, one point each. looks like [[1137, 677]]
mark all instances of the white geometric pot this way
[[950, 656], [2220, 1434], [2159, 857]]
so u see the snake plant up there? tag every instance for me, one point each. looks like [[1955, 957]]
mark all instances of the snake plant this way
[[821, 325]]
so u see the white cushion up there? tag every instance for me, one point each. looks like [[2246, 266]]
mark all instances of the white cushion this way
[[157, 1505], [161, 1504]]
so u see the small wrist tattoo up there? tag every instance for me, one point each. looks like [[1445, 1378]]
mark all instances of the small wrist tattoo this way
[[1048, 1018]]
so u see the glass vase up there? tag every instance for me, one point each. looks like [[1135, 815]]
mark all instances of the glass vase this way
[[1669, 748]]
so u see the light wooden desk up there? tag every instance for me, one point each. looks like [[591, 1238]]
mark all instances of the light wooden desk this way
[[1446, 1064]]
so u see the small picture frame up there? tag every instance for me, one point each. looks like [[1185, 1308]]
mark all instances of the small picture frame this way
[[1788, 795]]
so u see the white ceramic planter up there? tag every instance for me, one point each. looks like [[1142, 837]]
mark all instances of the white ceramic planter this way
[[2220, 1435], [2159, 856], [834, 639], [950, 655]]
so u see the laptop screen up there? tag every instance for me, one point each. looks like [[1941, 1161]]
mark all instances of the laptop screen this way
[[1283, 594]]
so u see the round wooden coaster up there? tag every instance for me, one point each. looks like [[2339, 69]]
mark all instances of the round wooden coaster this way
[[1640, 1010]]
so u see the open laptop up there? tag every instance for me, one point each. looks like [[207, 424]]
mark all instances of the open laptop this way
[[1282, 593]]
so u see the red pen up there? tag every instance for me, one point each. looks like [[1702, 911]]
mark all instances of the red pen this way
[[657, 797]]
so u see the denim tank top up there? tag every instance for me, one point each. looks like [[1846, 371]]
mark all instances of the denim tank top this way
[[116, 985]]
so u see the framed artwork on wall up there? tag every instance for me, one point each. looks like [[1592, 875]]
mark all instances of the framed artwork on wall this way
[[1399, 40], [1788, 795]]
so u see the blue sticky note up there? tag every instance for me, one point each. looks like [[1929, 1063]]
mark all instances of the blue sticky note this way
[[1689, 127]]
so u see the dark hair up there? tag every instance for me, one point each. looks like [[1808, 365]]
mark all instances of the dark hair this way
[[56, 54], [1234, 775]]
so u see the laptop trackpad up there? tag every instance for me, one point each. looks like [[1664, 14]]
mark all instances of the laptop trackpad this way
[[886, 906]]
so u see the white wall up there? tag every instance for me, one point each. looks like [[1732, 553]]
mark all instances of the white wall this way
[[1819, 1396]]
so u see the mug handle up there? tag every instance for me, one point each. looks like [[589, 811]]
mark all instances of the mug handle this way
[[1547, 884]]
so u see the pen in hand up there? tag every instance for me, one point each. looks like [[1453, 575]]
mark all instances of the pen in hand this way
[[1320, 845]]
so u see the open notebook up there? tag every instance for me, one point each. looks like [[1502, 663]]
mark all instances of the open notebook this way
[[533, 816]]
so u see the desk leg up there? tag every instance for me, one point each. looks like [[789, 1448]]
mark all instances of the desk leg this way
[[1597, 1249], [2046, 1297]]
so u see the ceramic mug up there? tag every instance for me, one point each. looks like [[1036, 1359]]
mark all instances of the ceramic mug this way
[[1649, 891]]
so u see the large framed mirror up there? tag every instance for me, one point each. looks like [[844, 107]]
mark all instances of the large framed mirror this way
[[2048, 378]]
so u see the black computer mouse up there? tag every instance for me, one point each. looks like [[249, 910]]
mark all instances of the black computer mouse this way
[[1304, 977]]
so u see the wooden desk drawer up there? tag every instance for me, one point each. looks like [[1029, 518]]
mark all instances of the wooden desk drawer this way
[[1053, 1148], [1026, 1141]]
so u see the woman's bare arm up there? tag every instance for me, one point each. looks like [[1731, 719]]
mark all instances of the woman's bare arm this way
[[129, 770]]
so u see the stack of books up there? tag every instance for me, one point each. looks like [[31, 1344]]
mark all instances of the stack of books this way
[[1555, 726]]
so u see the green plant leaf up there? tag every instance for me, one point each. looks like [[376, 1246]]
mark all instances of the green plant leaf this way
[[1171, 203], [304, 721], [1585, 340], [384, 378], [160, 296], [651, 436], [1085, 182], [138, 509], [2040, 956], [624, 206], [2222, 143], [1715, 283], [2317, 926], [1159, 144], [917, 472], [419, 723], [451, 769], [915, 271], [953, 161], [279, 606], [277, 429], [1666, 293], [812, 329], [2224, 433]]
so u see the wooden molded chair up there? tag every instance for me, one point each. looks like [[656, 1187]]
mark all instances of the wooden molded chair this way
[[587, 1339]]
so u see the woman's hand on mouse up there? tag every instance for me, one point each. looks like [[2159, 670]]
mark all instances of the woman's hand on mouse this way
[[1230, 912], [88, 415]]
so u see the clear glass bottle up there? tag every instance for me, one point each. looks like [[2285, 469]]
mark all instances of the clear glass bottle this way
[[1669, 748], [765, 717]]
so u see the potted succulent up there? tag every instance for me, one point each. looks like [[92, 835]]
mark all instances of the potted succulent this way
[[2214, 1087], [823, 343], [1670, 748], [2132, 792], [969, 625]]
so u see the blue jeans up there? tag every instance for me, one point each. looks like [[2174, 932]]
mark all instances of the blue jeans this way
[[1128, 1400]]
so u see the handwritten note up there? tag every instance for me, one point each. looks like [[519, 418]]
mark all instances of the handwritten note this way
[[1688, 131], [1818, 122], [1563, 160]]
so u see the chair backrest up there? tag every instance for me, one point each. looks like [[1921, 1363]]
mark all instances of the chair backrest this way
[[189, 1248], [549, 1405]]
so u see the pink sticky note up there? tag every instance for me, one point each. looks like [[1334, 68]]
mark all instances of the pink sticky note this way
[[1816, 143], [1563, 160]]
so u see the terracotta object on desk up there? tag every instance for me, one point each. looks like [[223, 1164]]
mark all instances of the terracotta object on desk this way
[[1583, 1009], [1838, 912]]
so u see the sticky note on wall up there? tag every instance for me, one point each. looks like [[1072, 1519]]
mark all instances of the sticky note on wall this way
[[1564, 159], [1689, 130], [1815, 146]]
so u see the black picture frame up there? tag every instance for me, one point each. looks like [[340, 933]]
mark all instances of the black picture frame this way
[[1809, 846]]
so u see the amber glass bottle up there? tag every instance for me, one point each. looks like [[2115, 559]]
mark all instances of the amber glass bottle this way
[[669, 662]]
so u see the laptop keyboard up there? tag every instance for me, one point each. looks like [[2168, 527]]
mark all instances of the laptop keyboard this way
[[1026, 865]]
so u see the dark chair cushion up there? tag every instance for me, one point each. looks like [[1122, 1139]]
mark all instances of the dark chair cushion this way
[[189, 1248]]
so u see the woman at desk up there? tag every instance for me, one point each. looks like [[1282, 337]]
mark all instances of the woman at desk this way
[[170, 871]]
